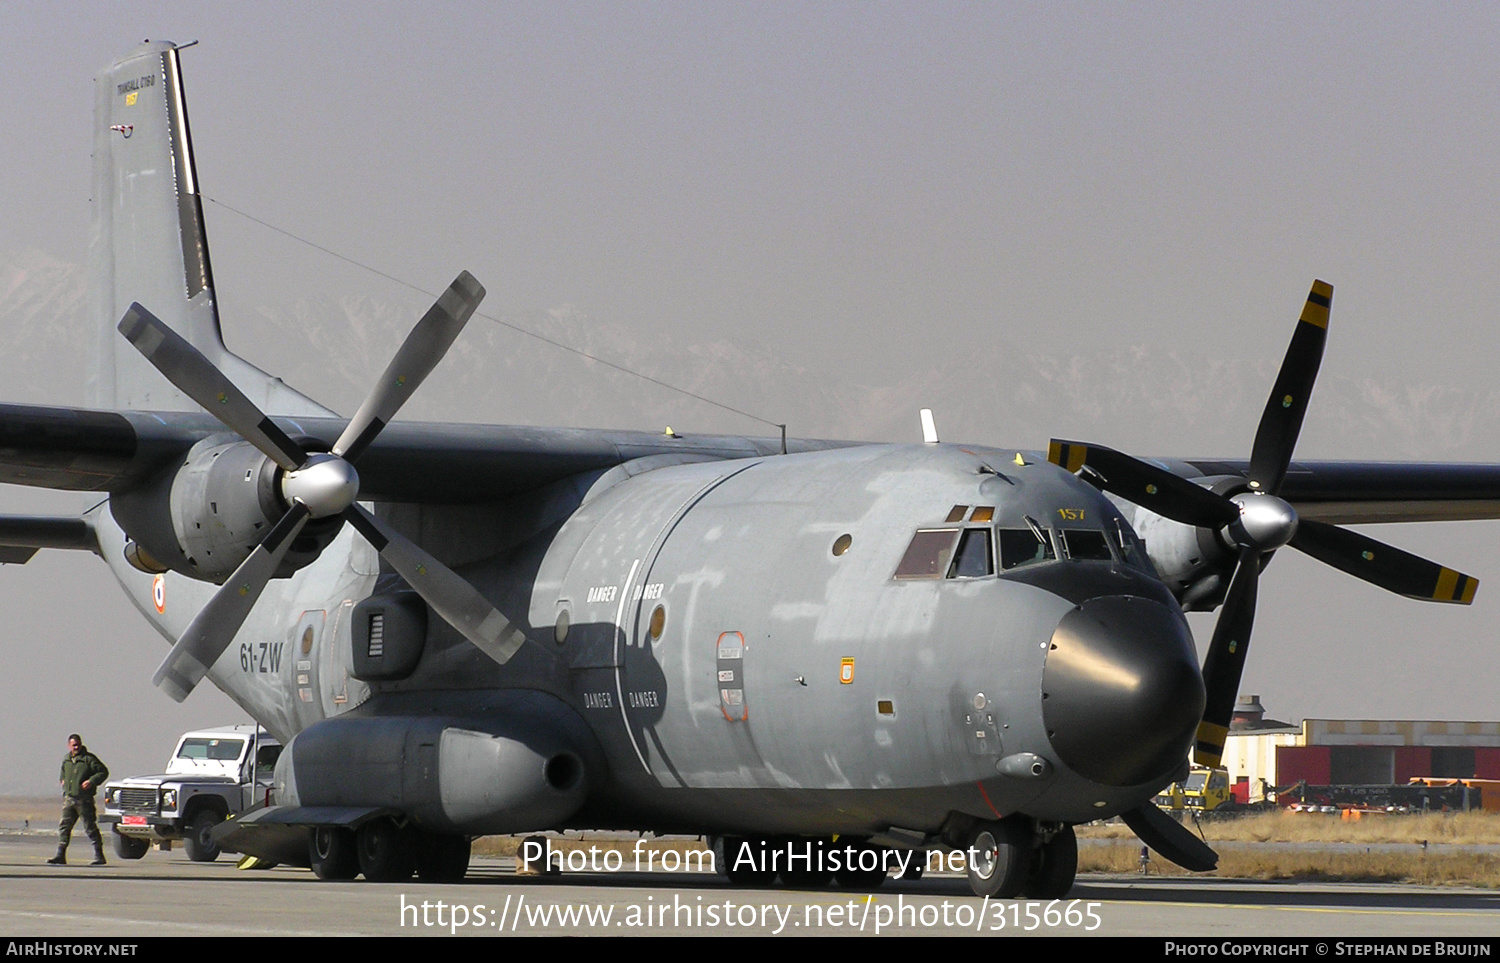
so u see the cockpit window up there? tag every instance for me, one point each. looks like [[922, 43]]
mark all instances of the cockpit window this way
[[1024, 546], [974, 558], [929, 554], [1087, 544], [1130, 548]]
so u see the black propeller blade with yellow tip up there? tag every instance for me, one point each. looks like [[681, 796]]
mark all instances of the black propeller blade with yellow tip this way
[[1258, 522]]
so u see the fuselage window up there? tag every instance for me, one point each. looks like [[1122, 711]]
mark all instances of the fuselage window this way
[[929, 554], [1087, 544], [1023, 546], [974, 558]]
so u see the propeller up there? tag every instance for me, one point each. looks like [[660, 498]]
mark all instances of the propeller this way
[[1170, 838], [319, 485], [1258, 522]]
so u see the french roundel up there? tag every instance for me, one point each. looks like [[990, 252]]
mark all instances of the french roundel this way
[[159, 592]]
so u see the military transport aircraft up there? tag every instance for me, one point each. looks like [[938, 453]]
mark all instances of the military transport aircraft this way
[[839, 652]]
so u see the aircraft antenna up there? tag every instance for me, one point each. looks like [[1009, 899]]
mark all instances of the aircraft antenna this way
[[505, 324]]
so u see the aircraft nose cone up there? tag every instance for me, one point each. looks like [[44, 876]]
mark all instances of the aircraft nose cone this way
[[1122, 692]]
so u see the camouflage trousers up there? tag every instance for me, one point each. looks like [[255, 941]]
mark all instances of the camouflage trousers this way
[[75, 808]]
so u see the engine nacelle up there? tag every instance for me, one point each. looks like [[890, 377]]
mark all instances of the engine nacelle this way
[[205, 517], [524, 763]]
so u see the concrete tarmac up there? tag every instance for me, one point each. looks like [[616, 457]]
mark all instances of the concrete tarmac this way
[[165, 894]]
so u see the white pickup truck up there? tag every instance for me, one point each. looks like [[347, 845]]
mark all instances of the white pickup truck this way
[[213, 774]]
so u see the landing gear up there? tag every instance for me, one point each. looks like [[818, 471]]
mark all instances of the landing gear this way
[[1054, 864], [332, 854], [862, 865], [130, 847], [745, 860], [758, 860], [442, 859], [999, 858], [385, 851], [806, 865], [199, 840]]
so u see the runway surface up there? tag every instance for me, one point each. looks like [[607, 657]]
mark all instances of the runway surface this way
[[165, 894]]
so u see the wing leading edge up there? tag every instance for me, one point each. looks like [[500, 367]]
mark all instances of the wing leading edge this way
[[79, 449], [1372, 492]]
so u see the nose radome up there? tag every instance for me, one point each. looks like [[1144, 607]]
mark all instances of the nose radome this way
[[1122, 694]]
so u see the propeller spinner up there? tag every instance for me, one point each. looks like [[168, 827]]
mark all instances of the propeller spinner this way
[[319, 485], [1258, 522]]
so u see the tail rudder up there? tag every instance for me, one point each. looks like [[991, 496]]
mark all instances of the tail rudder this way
[[148, 242]]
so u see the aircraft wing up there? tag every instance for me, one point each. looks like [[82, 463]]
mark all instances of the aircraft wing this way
[[78, 449], [1371, 492]]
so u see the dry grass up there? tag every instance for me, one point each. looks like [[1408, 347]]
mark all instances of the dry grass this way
[[1465, 829], [1448, 869]]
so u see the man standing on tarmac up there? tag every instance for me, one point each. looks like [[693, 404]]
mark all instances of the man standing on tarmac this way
[[82, 775]]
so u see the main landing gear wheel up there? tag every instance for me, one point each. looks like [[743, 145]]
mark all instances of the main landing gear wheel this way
[[744, 860], [861, 865], [385, 851], [442, 859], [811, 872], [1054, 865], [331, 852], [999, 859], [130, 847], [199, 840]]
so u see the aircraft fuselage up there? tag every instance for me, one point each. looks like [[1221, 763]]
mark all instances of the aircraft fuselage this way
[[710, 621]]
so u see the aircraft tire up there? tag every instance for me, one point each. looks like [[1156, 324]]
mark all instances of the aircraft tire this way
[[331, 853], [999, 859], [386, 854], [199, 841], [1053, 867], [130, 847], [442, 859], [814, 875], [732, 864], [860, 878]]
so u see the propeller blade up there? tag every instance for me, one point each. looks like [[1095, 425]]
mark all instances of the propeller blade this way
[[414, 361], [195, 376], [1157, 489], [1170, 839], [1281, 422], [449, 593], [1383, 565], [1226, 658], [208, 635]]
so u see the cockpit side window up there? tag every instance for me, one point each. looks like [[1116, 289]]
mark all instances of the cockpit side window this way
[[1087, 544], [974, 558], [1023, 546], [929, 554], [1131, 549]]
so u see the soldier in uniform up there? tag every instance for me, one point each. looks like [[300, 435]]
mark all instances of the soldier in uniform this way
[[82, 775]]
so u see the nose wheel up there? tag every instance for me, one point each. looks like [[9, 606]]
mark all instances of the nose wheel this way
[[999, 858]]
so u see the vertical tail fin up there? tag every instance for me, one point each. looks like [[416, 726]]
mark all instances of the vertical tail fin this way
[[148, 243]]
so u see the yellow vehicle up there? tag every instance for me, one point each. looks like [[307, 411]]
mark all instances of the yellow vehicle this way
[[1204, 791], [1207, 790]]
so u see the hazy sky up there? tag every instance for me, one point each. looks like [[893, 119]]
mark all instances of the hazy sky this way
[[864, 188]]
